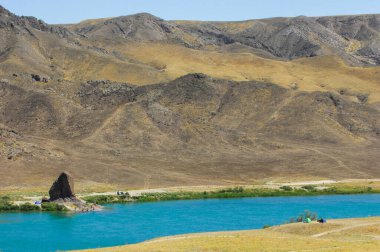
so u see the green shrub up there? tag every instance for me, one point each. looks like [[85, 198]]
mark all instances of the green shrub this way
[[286, 188], [53, 207], [106, 199], [237, 189], [331, 190], [5, 198], [309, 187], [27, 207], [6, 206]]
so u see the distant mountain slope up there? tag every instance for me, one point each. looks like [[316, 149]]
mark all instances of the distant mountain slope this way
[[143, 49], [355, 38], [141, 101]]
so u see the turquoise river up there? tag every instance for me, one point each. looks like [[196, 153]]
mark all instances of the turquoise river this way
[[136, 222]]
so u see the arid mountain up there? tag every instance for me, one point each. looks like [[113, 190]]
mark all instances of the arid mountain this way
[[355, 38], [117, 101]]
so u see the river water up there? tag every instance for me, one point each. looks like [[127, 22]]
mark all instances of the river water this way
[[130, 223]]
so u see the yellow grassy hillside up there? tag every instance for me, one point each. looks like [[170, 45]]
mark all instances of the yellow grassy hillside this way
[[310, 74]]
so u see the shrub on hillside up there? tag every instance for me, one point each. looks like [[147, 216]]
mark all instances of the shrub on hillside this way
[[286, 188]]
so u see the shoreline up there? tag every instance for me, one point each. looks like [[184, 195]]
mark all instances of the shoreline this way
[[228, 193], [330, 236], [269, 189]]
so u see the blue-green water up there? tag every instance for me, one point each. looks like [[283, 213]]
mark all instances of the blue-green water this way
[[132, 223]]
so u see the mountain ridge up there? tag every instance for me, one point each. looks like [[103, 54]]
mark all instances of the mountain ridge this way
[[145, 102]]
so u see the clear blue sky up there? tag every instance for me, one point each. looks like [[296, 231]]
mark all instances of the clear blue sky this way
[[72, 11]]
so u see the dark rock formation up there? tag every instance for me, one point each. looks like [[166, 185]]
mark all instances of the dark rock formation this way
[[62, 188], [36, 77]]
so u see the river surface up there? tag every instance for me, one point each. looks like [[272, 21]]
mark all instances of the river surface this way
[[123, 224]]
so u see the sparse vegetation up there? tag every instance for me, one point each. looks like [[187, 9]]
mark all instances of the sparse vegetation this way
[[28, 207], [303, 216], [236, 192], [309, 188], [286, 188], [107, 199], [6, 205], [53, 207]]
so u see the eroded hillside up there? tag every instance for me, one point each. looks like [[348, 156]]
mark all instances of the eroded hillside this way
[[117, 100], [193, 130]]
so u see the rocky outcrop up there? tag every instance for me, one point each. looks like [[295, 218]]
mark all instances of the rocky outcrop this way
[[62, 193], [62, 188], [36, 77]]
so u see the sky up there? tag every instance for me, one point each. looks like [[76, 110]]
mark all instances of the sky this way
[[73, 11]]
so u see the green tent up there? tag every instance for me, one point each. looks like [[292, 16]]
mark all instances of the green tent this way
[[307, 220]]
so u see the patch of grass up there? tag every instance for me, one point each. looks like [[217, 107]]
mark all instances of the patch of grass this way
[[53, 207], [28, 207], [236, 192], [241, 193], [286, 188], [106, 199], [309, 188], [6, 205]]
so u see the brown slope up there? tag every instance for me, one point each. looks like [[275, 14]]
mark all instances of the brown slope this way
[[154, 50], [354, 38], [194, 130], [321, 121]]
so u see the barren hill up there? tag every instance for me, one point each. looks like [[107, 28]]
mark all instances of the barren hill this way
[[117, 101]]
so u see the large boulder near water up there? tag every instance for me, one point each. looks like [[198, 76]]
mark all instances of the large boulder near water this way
[[62, 188]]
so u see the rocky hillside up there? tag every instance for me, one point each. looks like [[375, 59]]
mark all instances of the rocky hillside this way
[[355, 38], [188, 131], [116, 101]]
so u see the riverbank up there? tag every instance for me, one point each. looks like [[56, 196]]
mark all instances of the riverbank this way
[[336, 235], [7, 205], [235, 192], [24, 201]]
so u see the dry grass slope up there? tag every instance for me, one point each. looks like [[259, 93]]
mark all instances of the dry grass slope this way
[[299, 113], [337, 235]]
